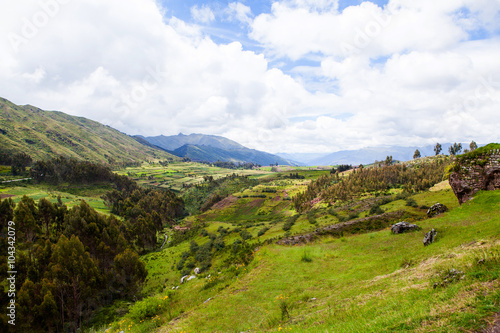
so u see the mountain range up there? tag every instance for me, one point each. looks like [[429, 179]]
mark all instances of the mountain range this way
[[45, 134], [212, 148]]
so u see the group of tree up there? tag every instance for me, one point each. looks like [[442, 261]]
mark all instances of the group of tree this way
[[18, 162], [232, 165], [147, 211], [341, 168], [62, 169], [455, 148], [334, 188], [202, 197], [72, 261], [69, 262]]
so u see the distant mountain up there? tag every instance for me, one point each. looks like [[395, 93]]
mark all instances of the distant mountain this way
[[173, 142], [45, 134], [200, 147], [302, 158], [372, 154]]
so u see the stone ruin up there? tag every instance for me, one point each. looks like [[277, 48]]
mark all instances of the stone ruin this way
[[474, 172]]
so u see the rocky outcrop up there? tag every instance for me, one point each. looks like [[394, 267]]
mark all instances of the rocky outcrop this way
[[429, 237], [357, 226], [404, 226], [476, 171], [436, 209]]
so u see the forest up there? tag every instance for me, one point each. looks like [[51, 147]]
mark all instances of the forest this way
[[72, 261]]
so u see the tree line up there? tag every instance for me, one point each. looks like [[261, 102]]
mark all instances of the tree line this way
[[333, 187], [71, 261]]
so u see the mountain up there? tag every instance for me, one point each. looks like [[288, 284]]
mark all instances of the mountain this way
[[368, 155], [173, 142], [200, 147], [44, 134]]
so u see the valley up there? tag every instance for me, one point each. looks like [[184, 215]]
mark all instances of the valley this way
[[162, 243]]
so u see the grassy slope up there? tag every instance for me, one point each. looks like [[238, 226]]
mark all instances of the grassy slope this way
[[359, 283], [44, 134], [373, 282]]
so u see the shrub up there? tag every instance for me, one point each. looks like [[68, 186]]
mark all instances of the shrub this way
[[148, 307], [245, 235], [376, 210], [262, 231], [306, 257], [411, 202]]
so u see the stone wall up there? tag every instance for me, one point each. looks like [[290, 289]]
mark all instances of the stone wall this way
[[480, 172]]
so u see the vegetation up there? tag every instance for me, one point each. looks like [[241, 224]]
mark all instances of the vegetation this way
[[79, 269], [333, 187], [45, 134]]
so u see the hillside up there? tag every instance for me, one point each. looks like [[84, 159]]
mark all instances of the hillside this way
[[212, 148], [366, 155], [44, 134], [213, 154], [173, 142]]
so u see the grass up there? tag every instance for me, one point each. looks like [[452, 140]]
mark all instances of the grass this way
[[374, 282], [91, 194]]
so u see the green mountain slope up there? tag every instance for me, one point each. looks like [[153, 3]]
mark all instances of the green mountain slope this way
[[201, 147], [43, 134], [213, 154], [173, 142]]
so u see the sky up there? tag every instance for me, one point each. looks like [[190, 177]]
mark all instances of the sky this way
[[293, 76]]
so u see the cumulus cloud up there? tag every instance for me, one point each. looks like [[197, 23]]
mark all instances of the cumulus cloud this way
[[202, 14], [239, 12], [405, 73]]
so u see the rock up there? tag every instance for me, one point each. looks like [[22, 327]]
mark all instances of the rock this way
[[196, 270], [436, 209], [475, 172], [191, 277], [429, 237], [403, 226], [207, 300], [183, 278]]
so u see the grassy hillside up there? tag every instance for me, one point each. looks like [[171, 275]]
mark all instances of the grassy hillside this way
[[373, 282], [44, 134], [242, 155], [362, 279]]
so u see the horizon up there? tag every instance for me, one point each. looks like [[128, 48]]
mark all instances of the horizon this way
[[288, 76]]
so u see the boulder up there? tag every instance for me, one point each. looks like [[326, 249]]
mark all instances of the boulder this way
[[436, 209], [183, 278], [191, 277], [429, 237], [403, 226], [197, 270]]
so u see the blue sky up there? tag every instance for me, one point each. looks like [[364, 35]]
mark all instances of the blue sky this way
[[281, 76]]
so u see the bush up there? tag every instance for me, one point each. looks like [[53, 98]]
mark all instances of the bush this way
[[262, 231], [245, 235], [411, 202], [306, 257], [148, 307], [376, 210]]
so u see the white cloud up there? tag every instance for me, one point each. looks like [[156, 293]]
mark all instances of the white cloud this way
[[202, 14], [239, 12], [404, 74]]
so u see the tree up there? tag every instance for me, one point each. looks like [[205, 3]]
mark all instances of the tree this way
[[438, 148], [47, 213], [416, 154], [473, 145], [75, 274], [388, 160], [130, 272], [455, 149], [6, 212], [19, 163], [26, 217]]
